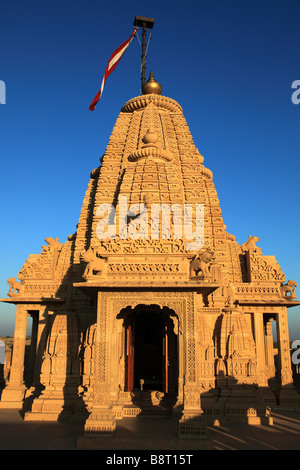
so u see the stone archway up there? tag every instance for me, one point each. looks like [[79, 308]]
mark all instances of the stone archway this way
[[109, 337], [108, 398]]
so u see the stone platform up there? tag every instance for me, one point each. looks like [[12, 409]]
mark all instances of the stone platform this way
[[151, 434]]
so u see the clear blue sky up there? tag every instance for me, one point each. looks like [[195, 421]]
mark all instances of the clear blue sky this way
[[229, 63]]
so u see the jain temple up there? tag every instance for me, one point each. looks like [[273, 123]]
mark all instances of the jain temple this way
[[151, 308]]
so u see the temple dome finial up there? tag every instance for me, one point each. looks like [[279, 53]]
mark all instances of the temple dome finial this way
[[151, 86]]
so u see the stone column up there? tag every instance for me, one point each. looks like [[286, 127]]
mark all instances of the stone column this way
[[192, 423], [260, 349], [37, 350], [286, 394], [269, 348], [13, 394], [102, 422], [284, 363]]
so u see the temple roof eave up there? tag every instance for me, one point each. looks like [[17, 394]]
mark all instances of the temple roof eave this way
[[93, 287], [269, 303], [31, 300], [144, 283]]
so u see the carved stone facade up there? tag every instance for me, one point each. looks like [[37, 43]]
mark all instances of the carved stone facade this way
[[131, 316]]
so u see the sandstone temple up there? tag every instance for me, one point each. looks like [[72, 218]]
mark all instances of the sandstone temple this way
[[151, 308]]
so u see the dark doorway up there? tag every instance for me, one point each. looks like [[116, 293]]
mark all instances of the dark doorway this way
[[148, 351], [151, 350]]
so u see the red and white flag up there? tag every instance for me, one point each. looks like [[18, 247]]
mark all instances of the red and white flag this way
[[112, 63]]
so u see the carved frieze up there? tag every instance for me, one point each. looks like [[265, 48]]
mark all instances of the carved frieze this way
[[144, 268]]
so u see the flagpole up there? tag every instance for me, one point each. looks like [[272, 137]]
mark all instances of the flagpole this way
[[145, 23], [144, 53]]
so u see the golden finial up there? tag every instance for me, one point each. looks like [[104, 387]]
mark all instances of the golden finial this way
[[151, 86]]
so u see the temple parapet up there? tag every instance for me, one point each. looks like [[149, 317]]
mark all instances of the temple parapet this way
[[263, 268], [43, 275]]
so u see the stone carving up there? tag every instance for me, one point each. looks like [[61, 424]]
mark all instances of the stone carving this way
[[201, 262], [141, 246], [14, 286], [51, 265], [151, 150], [229, 293], [60, 371], [52, 245], [263, 268], [88, 356], [250, 245], [288, 288], [95, 264], [144, 268], [220, 366], [234, 344]]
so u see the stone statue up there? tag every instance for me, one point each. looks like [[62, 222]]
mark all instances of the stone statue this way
[[14, 286], [95, 264], [250, 244], [201, 262], [52, 245], [228, 292], [289, 287]]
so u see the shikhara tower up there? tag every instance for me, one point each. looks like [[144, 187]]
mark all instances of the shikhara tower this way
[[126, 327]]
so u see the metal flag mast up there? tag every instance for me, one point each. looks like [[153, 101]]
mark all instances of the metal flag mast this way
[[145, 23]]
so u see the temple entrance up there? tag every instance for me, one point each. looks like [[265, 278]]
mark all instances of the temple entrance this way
[[151, 350], [148, 363]]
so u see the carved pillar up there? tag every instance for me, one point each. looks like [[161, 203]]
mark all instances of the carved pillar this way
[[260, 348], [191, 424], [59, 371], [269, 348], [101, 421], [181, 364], [285, 369], [286, 394], [88, 366], [13, 394]]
